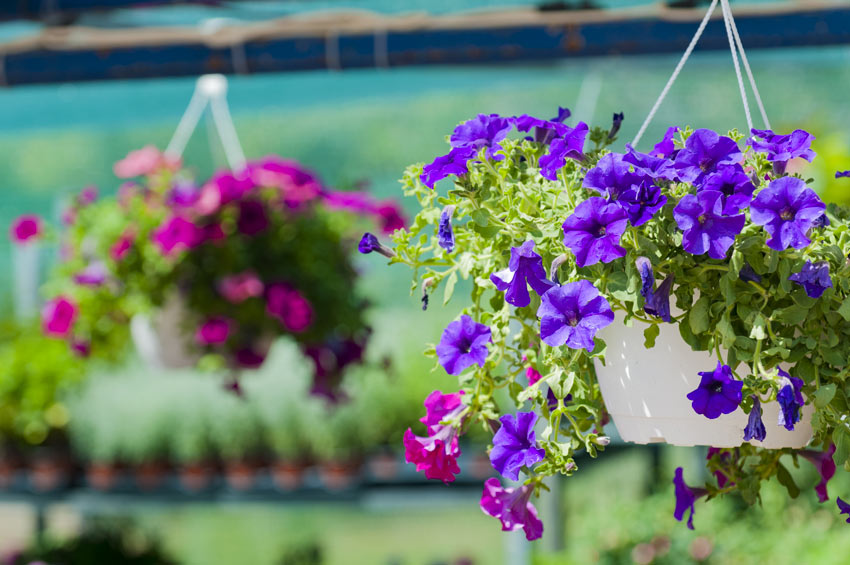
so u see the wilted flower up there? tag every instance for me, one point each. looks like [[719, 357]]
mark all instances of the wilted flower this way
[[685, 498], [825, 465], [844, 508], [440, 407], [445, 233], [616, 123], [656, 302]]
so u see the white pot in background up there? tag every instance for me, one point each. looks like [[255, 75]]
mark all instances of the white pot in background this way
[[160, 340], [645, 391]]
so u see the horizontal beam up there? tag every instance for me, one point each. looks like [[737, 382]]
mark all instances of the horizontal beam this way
[[355, 42], [39, 9]]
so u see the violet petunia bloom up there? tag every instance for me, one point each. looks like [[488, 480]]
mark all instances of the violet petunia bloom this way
[[177, 234], [463, 343], [593, 231], [253, 218], [842, 174], [435, 455], [572, 314], [445, 233], [524, 269], [814, 277], [790, 398], [787, 209], [685, 498], [482, 131], [825, 465], [289, 307], [94, 274], [656, 301], [441, 407], [748, 274], [369, 243], [453, 163], [568, 146], [704, 152], [58, 316], [611, 176], [652, 166], [718, 393], [844, 508], [755, 426], [213, 331], [544, 130], [515, 445], [512, 507], [782, 148], [27, 227], [706, 229], [666, 147], [641, 202], [734, 184], [240, 287]]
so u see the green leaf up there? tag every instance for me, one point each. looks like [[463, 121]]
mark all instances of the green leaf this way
[[450, 287], [698, 316], [824, 395], [649, 335], [481, 217], [844, 309], [841, 439], [786, 480]]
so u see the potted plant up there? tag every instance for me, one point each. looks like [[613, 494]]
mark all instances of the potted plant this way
[[189, 444], [96, 437], [570, 249], [236, 436], [287, 418], [337, 443]]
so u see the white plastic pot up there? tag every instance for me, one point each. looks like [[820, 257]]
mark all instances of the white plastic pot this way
[[160, 339], [645, 391]]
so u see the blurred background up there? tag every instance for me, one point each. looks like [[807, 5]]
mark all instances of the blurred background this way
[[132, 464]]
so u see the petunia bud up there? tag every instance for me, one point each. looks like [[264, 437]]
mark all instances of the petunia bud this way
[[369, 243], [615, 125]]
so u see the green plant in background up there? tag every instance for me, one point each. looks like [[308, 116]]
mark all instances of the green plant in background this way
[[236, 432]]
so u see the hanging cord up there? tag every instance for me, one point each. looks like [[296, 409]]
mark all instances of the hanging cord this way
[[675, 74], [724, 4], [227, 133], [187, 123], [747, 68]]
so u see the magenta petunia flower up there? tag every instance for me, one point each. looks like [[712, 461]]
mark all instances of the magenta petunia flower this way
[[515, 445], [572, 314], [685, 498], [213, 331], [790, 399], [58, 316], [704, 152], [224, 187], [122, 246], [249, 358], [253, 218], [814, 277], [388, 213], [95, 274], [782, 148], [80, 348], [734, 184], [524, 269], [723, 455], [177, 234], [296, 184], [787, 209], [568, 146], [512, 507], [463, 343], [482, 131], [718, 393], [706, 229], [825, 465], [87, 196], [593, 232], [25, 228], [436, 455], [240, 287], [453, 163], [440, 407], [289, 307]]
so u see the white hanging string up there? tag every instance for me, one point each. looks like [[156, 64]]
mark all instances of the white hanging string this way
[[187, 124], [676, 72], [227, 133], [724, 5], [740, 45]]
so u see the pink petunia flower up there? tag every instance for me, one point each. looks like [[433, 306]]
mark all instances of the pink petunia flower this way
[[239, 288], [58, 316], [25, 228], [214, 331]]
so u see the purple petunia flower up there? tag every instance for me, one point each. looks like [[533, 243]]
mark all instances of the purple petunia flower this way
[[463, 343], [705, 227], [515, 445], [748, 274], [814, 277], [782, 148], [453, 163], [94, 274], [704, 152], [840, 174], [611, 176], [436, 455], [787, 208], [718, 393], [512, 507], [666, 147], [572, 314], [825, 465], [656, 301], [369, 243], [593, 231], [755, 425], [734, 184], [524, 269], [569, 145], [544, 130], [440, 407], [482, 131], [685, 498], [790, 398], [652, 166], [822, 221], [641, 202], [844, 508], [445, 233]]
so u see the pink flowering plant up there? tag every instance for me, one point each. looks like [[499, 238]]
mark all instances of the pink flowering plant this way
[[249, 255], [554, 233]]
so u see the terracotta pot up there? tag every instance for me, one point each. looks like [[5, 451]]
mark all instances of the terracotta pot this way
[[7, 472], [383, 466], [339, 475], [149, 475], [239, 475], [480, 466], [48, 473], [195, 476], [101, 476], [287, 475]]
